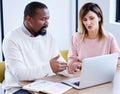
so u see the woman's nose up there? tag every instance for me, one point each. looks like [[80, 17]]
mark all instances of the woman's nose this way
[[88, 22]]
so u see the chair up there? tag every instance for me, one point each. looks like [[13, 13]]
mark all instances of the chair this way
[[2, 71], [64, 53]]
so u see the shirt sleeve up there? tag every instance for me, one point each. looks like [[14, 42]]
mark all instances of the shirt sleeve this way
[[114, 46], [17, 66], [72, 55]]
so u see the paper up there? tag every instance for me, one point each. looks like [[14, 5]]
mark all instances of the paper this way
[[47, 87]]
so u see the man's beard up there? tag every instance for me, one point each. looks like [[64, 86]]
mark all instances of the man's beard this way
[[41, 32]]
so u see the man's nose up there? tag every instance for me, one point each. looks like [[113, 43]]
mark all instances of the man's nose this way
[[46, 22]]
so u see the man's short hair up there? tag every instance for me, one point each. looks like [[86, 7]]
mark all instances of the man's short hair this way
[[30, 9]]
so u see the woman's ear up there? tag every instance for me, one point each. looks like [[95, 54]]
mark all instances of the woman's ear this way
[[99, 19]]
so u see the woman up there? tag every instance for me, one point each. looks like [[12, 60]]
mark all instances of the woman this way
[[92, 40]]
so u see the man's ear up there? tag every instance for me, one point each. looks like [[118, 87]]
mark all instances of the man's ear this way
[[28, 19]]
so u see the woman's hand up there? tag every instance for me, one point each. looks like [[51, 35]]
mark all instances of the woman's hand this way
[[74, 67]]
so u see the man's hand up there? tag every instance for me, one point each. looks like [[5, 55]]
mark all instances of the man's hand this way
[[56, 65]]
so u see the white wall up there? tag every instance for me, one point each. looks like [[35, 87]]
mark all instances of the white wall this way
[[108, 7], [113, 26], [1, 90], [61, 24]]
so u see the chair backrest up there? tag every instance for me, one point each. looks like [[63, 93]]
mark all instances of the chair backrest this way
[[2, 71], [64, 53]]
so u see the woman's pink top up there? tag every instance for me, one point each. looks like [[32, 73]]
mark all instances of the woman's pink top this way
[[91, 47]]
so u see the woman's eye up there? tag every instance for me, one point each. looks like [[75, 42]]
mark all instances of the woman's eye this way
[[92, 18], [84, 19]]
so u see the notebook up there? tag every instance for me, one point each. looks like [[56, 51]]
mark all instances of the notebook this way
[[95, 71], [47, 87]]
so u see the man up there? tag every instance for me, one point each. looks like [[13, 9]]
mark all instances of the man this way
[[30, 51]]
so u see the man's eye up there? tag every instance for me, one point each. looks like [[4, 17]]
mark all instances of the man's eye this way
[[43, 19]]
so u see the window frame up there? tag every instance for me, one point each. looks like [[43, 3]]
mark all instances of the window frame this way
[[117, 10]]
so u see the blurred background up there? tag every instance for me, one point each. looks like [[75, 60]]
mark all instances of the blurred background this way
[[63, 21]]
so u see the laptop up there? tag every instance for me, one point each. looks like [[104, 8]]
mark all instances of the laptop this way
[[95, 70]]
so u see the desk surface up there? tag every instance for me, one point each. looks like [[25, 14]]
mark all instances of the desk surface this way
[[108, 88]]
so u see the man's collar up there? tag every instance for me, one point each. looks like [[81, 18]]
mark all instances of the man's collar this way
[[26, 31]]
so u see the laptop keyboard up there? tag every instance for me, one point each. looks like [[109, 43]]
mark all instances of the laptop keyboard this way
[[76, 83]]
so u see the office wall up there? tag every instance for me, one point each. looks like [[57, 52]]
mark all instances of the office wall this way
[[108, 8], [61, 23]]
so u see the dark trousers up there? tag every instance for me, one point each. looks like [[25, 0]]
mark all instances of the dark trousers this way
[[21, 91]]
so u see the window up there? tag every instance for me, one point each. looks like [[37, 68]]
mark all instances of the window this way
[[1, 30], [117, 10], [76, 15]]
